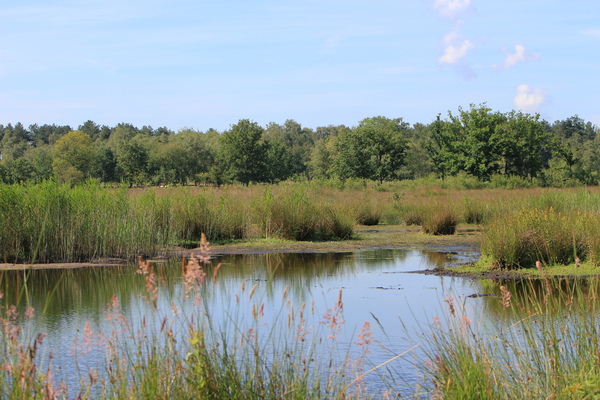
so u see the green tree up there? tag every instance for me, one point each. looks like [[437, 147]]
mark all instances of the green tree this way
[[386, 145], [375, 149], [106, 164], [132, 158], [40, 159], [242, 152], [279, 162], [521, 144], [47, 134], [479, 131], [199, 148], [91, 129], [169, 163], [441, 147], [73, 157], [321, 158]]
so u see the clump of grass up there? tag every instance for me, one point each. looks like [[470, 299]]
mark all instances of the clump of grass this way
[[473, 212], [368, 213], [519, 239], [412, 217], [439, 221], [293, 215]]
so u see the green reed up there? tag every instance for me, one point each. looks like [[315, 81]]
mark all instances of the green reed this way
[[56, 223], [542, 343]]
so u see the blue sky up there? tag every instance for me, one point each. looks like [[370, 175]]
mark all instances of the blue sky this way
[[207, 64]]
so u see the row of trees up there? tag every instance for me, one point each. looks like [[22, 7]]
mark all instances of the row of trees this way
[[477, 141]]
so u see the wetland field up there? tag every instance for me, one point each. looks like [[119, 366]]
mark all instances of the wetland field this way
[[306, 291]]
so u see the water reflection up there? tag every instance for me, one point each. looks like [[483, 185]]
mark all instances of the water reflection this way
[[374, 284]]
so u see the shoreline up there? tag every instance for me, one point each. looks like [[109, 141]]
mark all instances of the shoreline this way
[[466, 238]]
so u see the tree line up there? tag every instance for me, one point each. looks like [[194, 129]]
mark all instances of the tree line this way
[[477, 141]]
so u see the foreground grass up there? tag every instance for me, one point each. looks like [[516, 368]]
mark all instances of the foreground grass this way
[[538, 340], [200, 353], [543, 343]]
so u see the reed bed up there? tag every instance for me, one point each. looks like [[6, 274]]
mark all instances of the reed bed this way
[[53, 223], [56, 223], [543, 344]]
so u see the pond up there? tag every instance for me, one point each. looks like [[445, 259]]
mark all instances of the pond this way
[[379, 286]]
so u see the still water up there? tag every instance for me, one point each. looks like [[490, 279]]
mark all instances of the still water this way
[[379, 286]]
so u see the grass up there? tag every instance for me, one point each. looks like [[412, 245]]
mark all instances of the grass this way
[[53, 223], [542, 344]]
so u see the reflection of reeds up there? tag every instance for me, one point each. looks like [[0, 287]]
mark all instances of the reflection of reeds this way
[[196, 354]]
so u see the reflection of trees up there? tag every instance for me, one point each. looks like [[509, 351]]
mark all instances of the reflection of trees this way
[[87, 291], [84, 290]]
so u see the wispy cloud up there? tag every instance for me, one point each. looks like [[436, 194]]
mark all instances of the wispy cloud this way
[[455, 50], [453, 53], [529, 99], [520, 55], [453, 8]]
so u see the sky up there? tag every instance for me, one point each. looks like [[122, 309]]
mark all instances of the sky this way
[[207, 64]]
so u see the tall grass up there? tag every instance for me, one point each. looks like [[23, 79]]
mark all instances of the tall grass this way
[[294, 215], [439, 221], [55, 223], [51, 222], [520, 239], [542, 345]]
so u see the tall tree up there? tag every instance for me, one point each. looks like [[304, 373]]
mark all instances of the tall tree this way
[[521, 143], [243, 152], [132, 158], [73, 157], [375, 149]]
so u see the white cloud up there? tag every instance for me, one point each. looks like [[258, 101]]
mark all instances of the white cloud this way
[[452, 8], [455, 47], [528, 98], [453, 54], [520, 56]]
